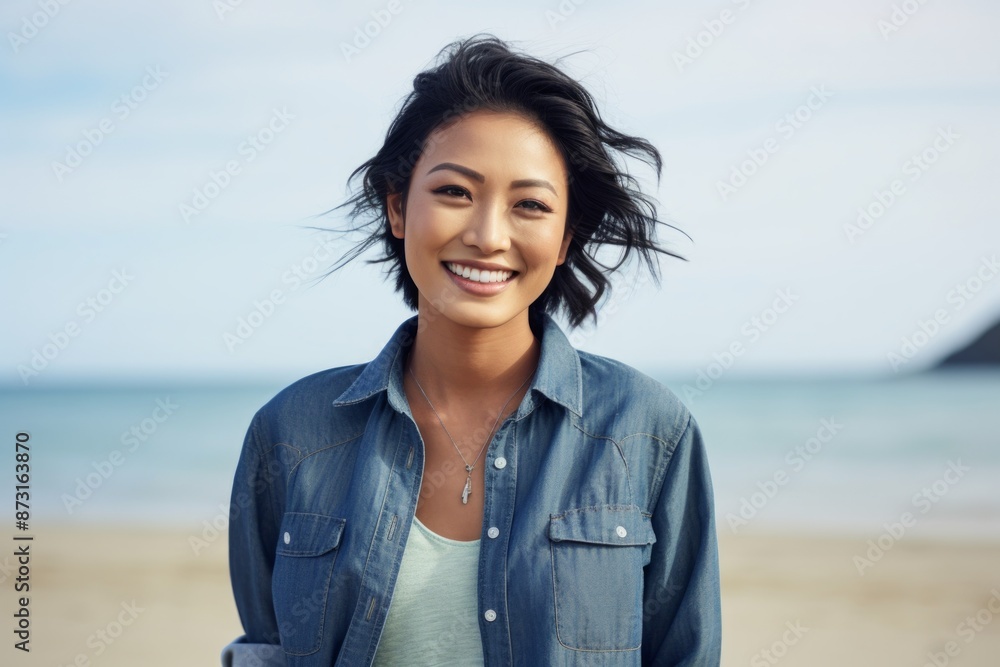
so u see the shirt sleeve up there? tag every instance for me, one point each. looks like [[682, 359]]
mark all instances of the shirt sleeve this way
[[682, 610], [253, 529]]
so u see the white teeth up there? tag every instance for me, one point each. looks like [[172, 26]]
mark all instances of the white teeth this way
[[477, 275]]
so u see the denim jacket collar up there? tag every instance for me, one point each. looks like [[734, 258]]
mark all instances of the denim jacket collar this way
[[558, 376]]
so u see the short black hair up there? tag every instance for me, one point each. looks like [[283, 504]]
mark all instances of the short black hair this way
[[483, 72]]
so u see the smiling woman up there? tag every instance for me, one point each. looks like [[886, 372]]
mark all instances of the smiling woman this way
[[483, 231], [482, 492]]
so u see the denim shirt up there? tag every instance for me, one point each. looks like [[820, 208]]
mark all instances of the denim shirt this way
[[598, 544]]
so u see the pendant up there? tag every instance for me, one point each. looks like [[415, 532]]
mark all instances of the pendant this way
[[467, 490]]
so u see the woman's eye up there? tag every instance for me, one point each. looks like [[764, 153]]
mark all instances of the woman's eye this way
[[536, 205], [457, 191], [452, 190]]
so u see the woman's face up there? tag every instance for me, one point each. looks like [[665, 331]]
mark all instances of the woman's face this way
[[487, 198]]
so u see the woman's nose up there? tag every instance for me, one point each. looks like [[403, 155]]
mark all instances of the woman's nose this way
[[488, 229]]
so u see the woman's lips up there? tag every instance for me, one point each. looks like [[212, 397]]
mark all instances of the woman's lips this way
[[478, 288]]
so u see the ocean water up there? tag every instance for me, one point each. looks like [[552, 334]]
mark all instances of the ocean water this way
[[854, 456], [844, 456]]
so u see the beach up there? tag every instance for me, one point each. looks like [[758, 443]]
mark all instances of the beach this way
[[804, 600], [792, 529], [117, 596]]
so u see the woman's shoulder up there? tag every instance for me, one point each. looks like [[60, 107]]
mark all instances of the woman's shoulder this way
[[614, 391], [309, 396], [646, 420]]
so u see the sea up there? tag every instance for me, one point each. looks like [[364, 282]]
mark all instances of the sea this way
[[915, 455]]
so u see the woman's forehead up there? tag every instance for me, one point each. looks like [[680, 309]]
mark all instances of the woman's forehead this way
[[486, 142]]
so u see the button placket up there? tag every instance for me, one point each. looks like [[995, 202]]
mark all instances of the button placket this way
[[500, 488], [499, 463]]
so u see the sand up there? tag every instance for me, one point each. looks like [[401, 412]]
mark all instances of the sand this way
[[116, 596], [910, 603]]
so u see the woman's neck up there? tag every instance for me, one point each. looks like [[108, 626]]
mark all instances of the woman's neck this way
[[456, 364]]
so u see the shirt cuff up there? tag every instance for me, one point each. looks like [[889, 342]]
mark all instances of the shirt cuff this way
[[240, 653]]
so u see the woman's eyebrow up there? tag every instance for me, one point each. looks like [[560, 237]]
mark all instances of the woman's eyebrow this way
[[476, 176]]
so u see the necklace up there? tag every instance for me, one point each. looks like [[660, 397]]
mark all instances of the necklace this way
[[468, 467]]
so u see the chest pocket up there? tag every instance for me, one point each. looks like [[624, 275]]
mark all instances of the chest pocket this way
[[598, 555], [303, 565]]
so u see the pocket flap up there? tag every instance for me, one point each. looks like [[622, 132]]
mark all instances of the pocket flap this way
[[307, 534], [602, 524]]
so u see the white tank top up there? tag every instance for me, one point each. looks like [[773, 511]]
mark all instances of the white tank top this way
[[433, 617]]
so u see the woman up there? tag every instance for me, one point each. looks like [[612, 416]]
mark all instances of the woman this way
[[482, 492]]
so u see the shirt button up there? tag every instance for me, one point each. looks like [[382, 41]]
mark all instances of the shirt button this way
[[500, 462], [493, 531], [288, 538], [621, 531], [490, 615]]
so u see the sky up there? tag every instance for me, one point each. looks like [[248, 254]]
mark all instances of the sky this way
[[833, 163]]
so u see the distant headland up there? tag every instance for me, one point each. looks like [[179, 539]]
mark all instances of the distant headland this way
[[983, 351]]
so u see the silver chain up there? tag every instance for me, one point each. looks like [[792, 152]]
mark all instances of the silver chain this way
[[468, 468]]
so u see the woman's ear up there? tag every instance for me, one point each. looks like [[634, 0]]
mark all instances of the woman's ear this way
[[564, 247], [394, 207]]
